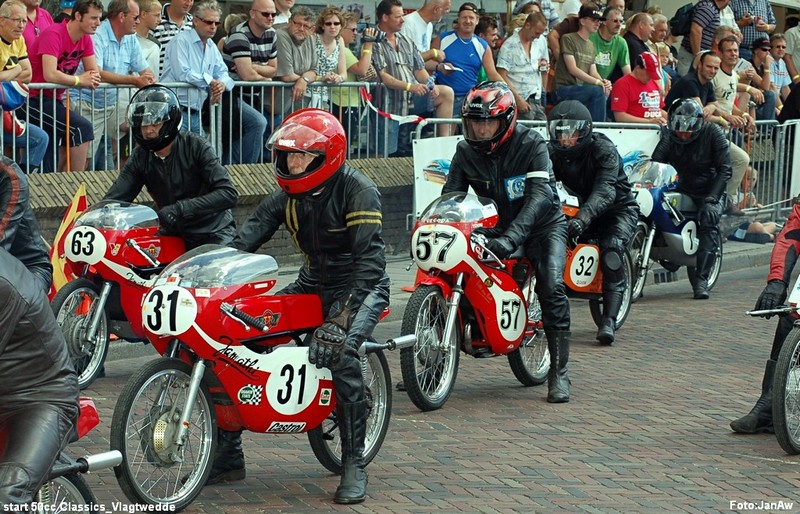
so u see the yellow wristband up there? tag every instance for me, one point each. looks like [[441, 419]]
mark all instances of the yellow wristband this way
[[598, 82], [722, 120], [796, 77], [366, 51], [747, 89], [408, 86], [435, 53], [77, 80]]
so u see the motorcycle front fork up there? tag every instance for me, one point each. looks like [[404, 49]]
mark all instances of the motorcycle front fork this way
[[183, 413], [452, 311], [644, 265], [99, 308]]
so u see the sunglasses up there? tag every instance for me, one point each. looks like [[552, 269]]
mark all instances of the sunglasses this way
[[268, 14], [332, 23], [302, 25], [209, 22], [781, 47], [765, 48]]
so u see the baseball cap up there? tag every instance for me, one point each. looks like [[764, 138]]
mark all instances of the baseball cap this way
[[67, 4], [469, 6], [591, 12], [761, 42], [521, 5], [650, 62]]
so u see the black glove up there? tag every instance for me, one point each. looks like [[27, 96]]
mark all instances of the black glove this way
[[169, 216], [488, 233], [708, 214], [326, 345], [575, 228], [501, 246], [771, 297]]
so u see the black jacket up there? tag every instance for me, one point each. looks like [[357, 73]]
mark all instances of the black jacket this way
[[338, 231], [518, 177], [703, 166], [595, 175], [191, 176], [19, 231]]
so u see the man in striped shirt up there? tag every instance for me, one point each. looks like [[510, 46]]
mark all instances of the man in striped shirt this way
[[175, 17]]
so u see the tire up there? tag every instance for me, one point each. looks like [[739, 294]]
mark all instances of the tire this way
[[70, 490], [786, 395], [140, 429], [429, 373], [596, 306], [530, 363], [713, 276], [73, 309], [326, 440], [638, 264]]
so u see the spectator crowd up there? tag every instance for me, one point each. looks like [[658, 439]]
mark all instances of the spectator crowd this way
[[624, 66]]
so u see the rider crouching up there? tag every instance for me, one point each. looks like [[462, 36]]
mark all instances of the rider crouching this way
[[589, 165], [509, 163], [700, 154], [333, 213]]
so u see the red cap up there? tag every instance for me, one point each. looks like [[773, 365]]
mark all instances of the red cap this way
[[650, 62]]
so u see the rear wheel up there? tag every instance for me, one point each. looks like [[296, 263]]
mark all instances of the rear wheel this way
[[638, 262], [713, 275], [786, 395], [531, 361], [74, 306], [67, 494], [596, 306], [430, 366], [326, 439]]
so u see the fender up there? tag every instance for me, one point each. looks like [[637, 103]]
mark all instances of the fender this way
[[435, 280]]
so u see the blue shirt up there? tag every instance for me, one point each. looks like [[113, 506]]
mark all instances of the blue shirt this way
[[465, 55], [121, 57], [188, 61]]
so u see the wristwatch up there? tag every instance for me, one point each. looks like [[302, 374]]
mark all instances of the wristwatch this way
[[306, 79]]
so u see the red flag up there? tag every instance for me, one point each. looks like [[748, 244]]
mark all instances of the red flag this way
[[76, 207]]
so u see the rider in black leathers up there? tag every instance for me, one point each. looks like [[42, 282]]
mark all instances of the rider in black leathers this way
[[19, 231], [699, 152], [193, 192], [39, 389], [333, 213], [509, 163], [589, 166]]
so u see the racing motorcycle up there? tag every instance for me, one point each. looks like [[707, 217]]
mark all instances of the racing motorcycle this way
[[65, 487], [115, 251], [467, 300], [667, 230], [224, 334]]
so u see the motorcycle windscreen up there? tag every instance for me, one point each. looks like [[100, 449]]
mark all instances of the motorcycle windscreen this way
[[112, 214], [210, 266]]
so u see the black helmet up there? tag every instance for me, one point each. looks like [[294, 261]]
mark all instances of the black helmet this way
[[685, 117], [489, 101], [567, 120], [150, 105]]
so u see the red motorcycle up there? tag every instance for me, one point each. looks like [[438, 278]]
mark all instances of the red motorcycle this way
[[223, 334], [65, 487], [115, 251], [468, 300]]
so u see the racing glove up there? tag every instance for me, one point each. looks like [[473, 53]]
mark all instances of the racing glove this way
[[326, 345], [169, 216], [501, 246], [708, 214], [771, 297], [488, 233], [575, 228]]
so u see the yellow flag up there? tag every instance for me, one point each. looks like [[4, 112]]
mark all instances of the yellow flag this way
[[57, 259]]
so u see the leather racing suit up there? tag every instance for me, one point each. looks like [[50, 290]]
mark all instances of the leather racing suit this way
[[519, 178], [192, 177], [19, 231], [39, 392]]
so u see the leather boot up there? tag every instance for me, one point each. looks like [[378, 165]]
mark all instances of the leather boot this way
[[352, 419], [557, 379], [704, 263], [759, 419], [612, 302], [229, 459]]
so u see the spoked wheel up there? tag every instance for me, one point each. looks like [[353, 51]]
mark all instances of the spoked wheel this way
[[155, 469], [638, 262], [66, 494], [531, 361], [786, 395], [713, 275], [429, 367], [74, 306], [596, 306], [326, 440]]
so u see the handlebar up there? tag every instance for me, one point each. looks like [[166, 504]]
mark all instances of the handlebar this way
[[485, 255], [773, 312], [152, 260], [242, 317], [391, 344]]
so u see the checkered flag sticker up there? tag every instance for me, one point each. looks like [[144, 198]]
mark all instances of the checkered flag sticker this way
[[251, 394]]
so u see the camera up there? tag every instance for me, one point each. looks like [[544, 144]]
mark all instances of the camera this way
[[373, 35]]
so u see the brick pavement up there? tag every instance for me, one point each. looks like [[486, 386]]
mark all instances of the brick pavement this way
[[646, 430]]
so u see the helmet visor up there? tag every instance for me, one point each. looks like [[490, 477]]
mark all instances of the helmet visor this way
[[147, 113], [566, 133], [482, 129], [684, 123], [295, 137]]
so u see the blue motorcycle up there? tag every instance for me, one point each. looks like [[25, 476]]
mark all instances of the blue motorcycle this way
[[667, 230]]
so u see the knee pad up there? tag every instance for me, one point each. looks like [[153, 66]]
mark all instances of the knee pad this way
[[611, 266]]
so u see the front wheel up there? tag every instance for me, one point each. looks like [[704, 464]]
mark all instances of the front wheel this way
[[157, 469], [531, 361], [69, 492], [713, 275], [326, 439], [786, 394], [74, 306], [639, 261], [596, 306], [429, 367]]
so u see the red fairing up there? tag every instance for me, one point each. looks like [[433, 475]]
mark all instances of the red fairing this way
[[88, 418]]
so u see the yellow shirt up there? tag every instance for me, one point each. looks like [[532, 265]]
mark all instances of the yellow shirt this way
[[12, 53], [346, 96]]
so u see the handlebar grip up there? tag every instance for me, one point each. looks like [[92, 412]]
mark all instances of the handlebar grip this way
[[242, 316]]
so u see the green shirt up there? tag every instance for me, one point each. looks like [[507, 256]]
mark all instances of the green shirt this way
[[346, 96], [609, 54]]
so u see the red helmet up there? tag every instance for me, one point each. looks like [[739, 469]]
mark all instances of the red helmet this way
[[489, 101], [314, 132]]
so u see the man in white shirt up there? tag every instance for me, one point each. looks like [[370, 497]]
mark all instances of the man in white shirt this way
[[418, 27], [284, 8], [523, 63]]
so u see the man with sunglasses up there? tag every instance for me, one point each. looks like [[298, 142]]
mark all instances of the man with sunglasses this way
[[297, 63]]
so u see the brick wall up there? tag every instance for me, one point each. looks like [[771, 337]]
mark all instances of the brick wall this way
[[51, 193]]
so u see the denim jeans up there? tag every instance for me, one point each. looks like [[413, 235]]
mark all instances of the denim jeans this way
[[33, 145], [766, 111], [590, 96], [191, 122], [247, 149]]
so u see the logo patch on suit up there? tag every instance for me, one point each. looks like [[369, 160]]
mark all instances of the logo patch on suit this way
[[515, 187]]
